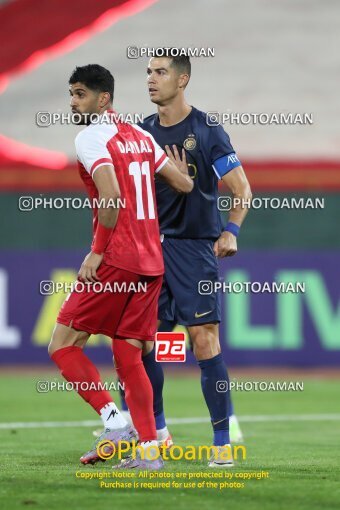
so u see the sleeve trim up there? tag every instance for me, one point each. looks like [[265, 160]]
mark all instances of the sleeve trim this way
[[161, 162], [100, 162]]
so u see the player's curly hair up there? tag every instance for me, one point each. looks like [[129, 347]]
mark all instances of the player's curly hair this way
[[94, 77]]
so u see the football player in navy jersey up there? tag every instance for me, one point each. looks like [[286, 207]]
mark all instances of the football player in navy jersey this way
[[194, 236]]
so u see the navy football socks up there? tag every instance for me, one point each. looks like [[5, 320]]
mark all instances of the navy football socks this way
[[156, 376], [214, 382]]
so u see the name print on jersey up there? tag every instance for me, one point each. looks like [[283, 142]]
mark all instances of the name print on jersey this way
[[134, 147]]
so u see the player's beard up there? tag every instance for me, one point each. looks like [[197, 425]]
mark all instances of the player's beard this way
[[84, 119], [81, 119]]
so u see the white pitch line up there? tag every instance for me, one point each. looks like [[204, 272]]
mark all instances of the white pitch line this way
[[291, 417], [175, 421], [49, 424]]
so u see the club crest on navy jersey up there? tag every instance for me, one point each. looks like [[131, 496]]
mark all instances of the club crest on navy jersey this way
[[189, 143]]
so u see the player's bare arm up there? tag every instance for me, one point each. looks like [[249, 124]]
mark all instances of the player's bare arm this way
[[108, 189], [175, 172], [237, 182], [107, 185]]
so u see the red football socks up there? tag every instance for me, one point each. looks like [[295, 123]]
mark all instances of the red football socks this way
[[77, 368], [138, 389]]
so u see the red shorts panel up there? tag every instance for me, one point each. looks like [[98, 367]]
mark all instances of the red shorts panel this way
[[125, 312]]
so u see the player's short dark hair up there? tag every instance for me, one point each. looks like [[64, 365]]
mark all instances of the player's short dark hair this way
[[94, 77], [181, 63]]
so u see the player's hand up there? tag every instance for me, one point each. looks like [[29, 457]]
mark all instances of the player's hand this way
[[88, 269], [226, 245], [176, 159]]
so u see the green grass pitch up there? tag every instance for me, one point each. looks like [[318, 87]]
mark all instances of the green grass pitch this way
[[38, 465]]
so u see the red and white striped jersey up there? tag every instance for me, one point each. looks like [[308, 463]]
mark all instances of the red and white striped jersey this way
[[136, 157]]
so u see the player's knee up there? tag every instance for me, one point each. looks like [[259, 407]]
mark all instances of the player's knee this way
[[205, 341], [205, 351], [52, 347], [147, 347], [55, 344], [64, 336]]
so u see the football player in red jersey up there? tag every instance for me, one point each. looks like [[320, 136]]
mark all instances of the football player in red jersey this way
[[117, 162]]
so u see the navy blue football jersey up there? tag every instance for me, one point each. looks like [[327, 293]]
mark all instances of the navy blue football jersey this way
[[209, 155]]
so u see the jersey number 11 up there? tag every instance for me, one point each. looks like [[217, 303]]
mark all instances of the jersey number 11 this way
[[138, 170]]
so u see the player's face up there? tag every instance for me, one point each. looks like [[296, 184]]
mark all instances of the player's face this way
[[163, 81], [84, 101]]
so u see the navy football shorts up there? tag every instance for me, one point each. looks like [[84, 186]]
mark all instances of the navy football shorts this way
[[182, 298]]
